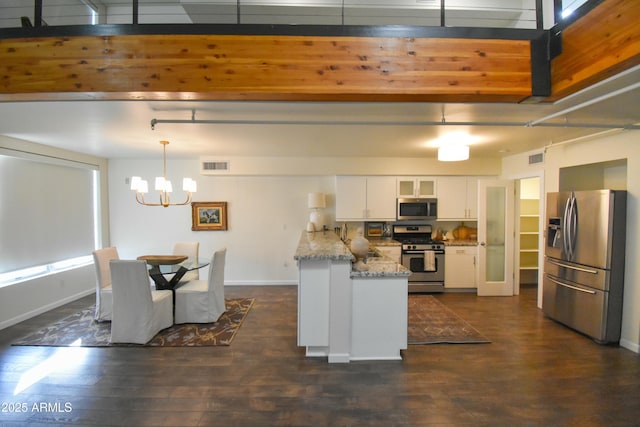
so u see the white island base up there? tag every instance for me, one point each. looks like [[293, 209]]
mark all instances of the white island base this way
[[347, 315], [378, 318]]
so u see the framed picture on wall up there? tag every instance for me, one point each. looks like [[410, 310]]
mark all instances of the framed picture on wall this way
[[210, 216]]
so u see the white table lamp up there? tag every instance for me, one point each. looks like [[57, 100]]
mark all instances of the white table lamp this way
[[315, 201]]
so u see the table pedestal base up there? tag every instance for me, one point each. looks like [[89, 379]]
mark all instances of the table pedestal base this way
[[161, 282]]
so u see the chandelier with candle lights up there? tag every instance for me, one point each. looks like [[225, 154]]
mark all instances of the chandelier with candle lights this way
[[163, 185]]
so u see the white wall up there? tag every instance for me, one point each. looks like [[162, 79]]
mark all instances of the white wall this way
[[24, 300], [266, 213], [265, 218], [323, 166], [622, 145], [530, 188]]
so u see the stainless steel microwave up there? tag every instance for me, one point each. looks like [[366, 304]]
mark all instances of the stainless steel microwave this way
[[416, 209]]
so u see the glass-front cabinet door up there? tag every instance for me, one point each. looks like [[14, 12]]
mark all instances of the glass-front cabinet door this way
[[412, 186]]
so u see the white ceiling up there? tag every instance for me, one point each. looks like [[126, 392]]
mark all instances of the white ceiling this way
[[117, 129]]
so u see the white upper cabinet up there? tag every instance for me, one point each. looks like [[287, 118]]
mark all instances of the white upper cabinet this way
[[457, 198], [416, 186], [381, 200], [351, 197], [370, 198]]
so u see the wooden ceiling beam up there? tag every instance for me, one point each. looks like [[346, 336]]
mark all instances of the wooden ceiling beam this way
[[293, 67], [598, 46], [282, 68]]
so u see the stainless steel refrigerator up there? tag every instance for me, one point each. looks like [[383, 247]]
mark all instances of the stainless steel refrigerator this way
[[583, 279]]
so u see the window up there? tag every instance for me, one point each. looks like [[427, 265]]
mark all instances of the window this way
[[570, 6], [48, 216]]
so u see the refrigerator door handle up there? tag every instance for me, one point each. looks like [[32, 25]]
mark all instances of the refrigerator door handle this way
[[565, 228], [585, 270], [573, 224], [575, 288], [570, 227]]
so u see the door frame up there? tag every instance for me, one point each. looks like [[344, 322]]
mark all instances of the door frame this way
[[539, 173]]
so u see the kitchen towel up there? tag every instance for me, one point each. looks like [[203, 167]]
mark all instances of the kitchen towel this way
[[429, 261]]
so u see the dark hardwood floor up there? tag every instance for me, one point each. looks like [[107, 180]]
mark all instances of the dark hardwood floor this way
[[534, 373]]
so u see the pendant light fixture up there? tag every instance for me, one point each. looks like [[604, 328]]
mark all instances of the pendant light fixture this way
[[451, 146], [163, 185], [453, 152]]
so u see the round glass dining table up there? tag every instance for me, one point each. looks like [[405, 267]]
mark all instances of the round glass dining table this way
[[176, 265]]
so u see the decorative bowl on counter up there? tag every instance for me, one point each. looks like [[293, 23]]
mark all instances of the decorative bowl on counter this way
[[463, 232]]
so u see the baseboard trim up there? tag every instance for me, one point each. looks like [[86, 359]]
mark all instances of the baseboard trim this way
[[260, 282], [339, 358], [635, 347], [45, 308]]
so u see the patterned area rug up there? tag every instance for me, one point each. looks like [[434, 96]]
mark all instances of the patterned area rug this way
[[430, 322], [82, 331]]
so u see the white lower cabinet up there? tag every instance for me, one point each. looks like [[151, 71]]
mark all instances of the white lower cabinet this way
[[313, 303], [460, 267], [343, 318], [379, 310]]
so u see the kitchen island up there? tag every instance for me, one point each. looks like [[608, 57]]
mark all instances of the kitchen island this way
[[346, 314]]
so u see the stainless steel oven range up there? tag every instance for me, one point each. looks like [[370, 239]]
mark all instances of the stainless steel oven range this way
[[422, 255]]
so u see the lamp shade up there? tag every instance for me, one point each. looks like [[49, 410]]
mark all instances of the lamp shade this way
[[316, 200], [189, 185], [453, 153], [160, 183]]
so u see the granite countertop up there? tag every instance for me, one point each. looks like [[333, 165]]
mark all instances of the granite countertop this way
[[327, 245], [384, 241], [322, 245], [460, 242], [381, 267]]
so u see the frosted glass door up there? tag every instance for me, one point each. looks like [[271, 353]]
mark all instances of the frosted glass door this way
[[495, 237]]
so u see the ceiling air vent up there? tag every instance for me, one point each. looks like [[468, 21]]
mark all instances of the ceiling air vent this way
[[213, 167], [536, 158]]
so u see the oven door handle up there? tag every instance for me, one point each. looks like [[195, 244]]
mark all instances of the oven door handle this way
[[421, 252]]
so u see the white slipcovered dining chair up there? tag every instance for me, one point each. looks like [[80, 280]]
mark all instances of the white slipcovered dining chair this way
[[139, 313], [191, 250], [104, 298], [202, 301]]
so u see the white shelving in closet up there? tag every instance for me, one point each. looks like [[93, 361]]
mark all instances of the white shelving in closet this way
[[529, 234]]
